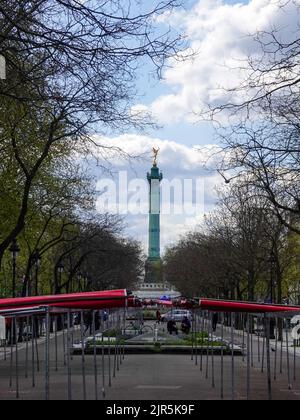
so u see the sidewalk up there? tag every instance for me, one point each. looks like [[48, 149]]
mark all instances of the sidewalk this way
[[242, 342], [6, 351], [161, 337], [147, 377]]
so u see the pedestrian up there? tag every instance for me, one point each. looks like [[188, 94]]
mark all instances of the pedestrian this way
[[8, 325], [88, 321], [11, 330], [186, 325], [158, 316], [215, 320], [171, 326], [97, 321], [104, 316]]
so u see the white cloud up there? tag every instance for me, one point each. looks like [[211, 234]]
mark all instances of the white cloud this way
[[176, 161], [176, 157], [222, 35]]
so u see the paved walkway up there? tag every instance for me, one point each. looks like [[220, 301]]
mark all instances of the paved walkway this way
[[151, 377], [162, 335]]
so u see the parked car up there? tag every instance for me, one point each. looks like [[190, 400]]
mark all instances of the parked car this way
[[177, 315]]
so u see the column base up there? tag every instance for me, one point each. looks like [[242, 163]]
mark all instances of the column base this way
[[153, 271]]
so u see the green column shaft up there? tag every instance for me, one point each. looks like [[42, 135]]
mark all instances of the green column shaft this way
[[154, 236]]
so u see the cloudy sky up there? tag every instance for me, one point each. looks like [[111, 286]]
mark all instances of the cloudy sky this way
[[221, 31]]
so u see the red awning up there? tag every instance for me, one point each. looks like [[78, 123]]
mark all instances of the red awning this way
[[91, 300], [228, 306], [165, 302]]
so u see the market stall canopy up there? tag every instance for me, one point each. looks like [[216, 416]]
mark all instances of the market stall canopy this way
[[86, 301], [230, 306]]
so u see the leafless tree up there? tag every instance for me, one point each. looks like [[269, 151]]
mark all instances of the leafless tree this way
[[242, 252], [262, 135], [71, 71]]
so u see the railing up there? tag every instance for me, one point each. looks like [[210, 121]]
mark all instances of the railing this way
[[44, 343], [265, 343], [77, 353]]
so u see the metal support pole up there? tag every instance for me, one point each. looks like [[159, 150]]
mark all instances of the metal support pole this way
[[208, 345], [109, 362], [95, 358], [288, 354], [83, 354], [232, 360], [37, 354], [252, 331], [281, 354], [32, 351], [222, 356], [56, 343], [64, 341], [267, 329], [196, 339], [11, 353], [27, 348], [69, 369], [276, 350], [263, 354], [193, 337], [47, 356], [17, 359], [248, 357], [295, 361], [115, 359], [103, 368], [244, 344], [202, 340], [212, 359], [258, 341]]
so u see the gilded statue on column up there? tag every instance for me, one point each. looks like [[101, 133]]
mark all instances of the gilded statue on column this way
[[155, 152]]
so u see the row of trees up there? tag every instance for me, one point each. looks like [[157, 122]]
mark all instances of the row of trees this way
[[249, 247], [261, 137], [71, 68], [241, 252]]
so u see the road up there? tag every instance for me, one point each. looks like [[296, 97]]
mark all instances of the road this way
[[149, 377]]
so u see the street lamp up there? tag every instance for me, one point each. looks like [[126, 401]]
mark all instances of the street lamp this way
[[273, 294], [84, 281], [14, 250], [60, 268], [79, 277], [60, 320], [272, 279], [37, 261]]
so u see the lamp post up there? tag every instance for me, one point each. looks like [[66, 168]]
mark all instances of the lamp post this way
[[14, 250], [79, 277], [60, 319], [85, 282], [88, 282], [272, 279], [37, 261], [273, 294], [60, 269]]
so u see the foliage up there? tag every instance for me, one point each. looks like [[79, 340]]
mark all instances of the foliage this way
[[71, 68], [259, 120], [241, 252]]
